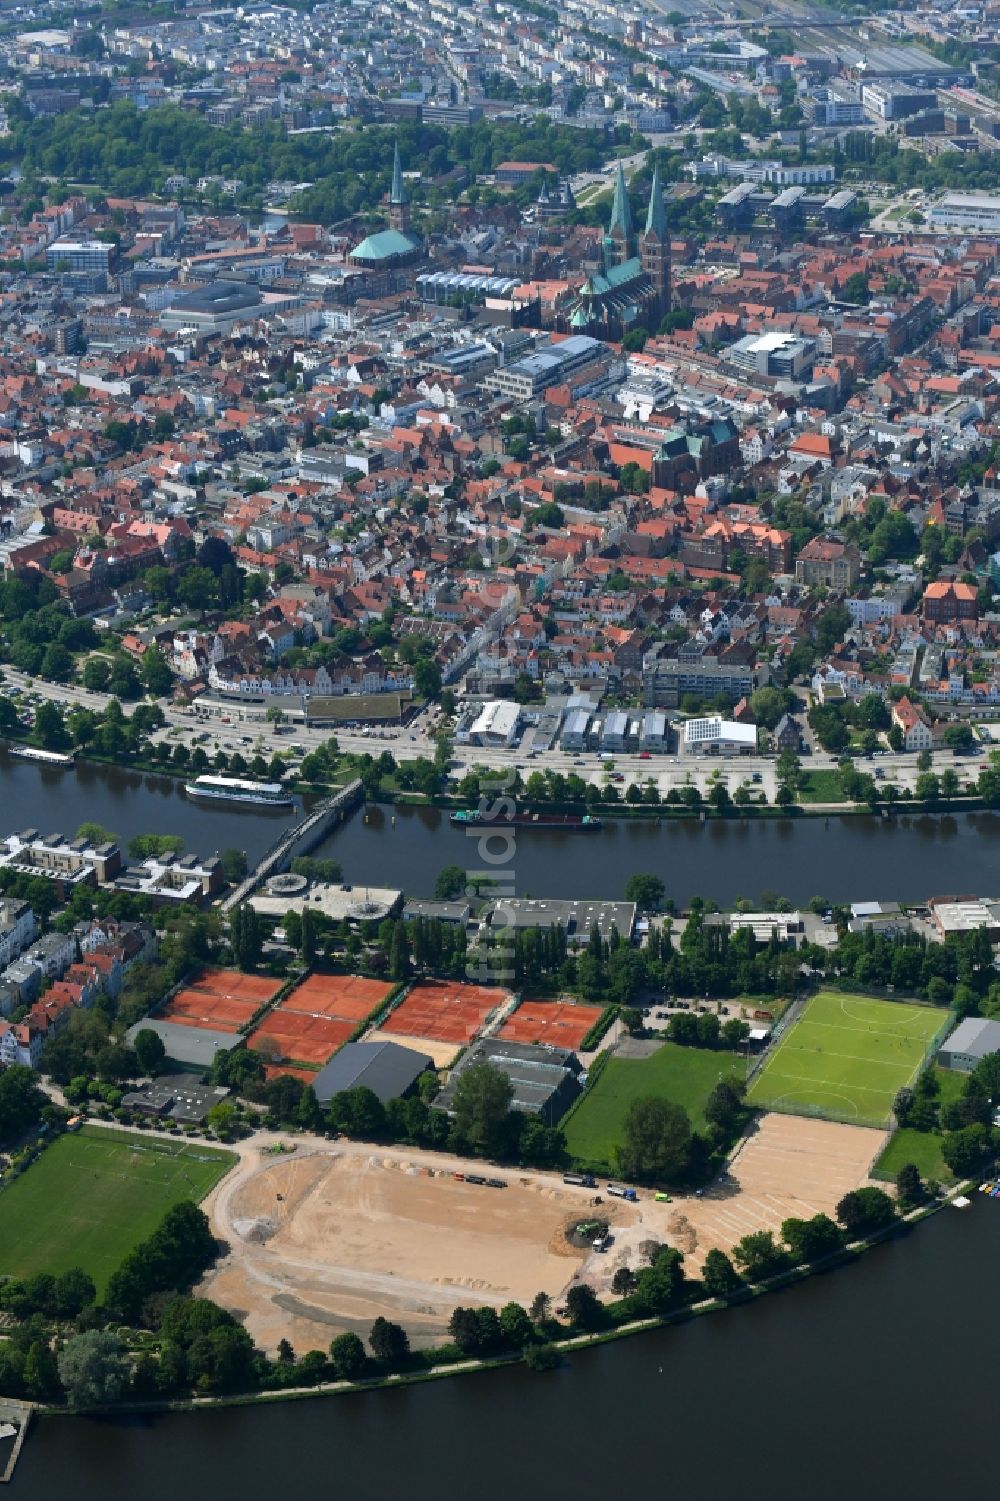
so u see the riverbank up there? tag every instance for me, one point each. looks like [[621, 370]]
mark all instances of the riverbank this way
[[844, 1256], [868, 1346], [704, 813]]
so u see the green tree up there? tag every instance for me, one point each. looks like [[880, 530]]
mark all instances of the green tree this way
[[50, 727], [246, 937], [450, 883], [767, 706], [656, 1140], [347, 1355], [481, 1105], [72, 1292], [909, 1186], [234, 865], [41, 1374], [94, 1369], [155, 673], [647, 891], [584, 1308], [719, 1277], [812, 1239], [389, 1343], [966, 1151], [515, 1326], [865, 1209], [758, 1256], [149, 1050]]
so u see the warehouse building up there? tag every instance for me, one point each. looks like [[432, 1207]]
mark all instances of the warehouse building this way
[[972, 1041], [387, 1069], [545, 1081]]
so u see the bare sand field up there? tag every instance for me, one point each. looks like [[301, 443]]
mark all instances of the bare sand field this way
[[327, 1239], [356, 1234], [787, 1167]]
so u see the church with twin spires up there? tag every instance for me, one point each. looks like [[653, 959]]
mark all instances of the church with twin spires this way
[[633, 287]]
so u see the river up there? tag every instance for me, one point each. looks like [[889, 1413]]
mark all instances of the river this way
[[56, 801], [871, 1382], [904, 859], [843, 859]]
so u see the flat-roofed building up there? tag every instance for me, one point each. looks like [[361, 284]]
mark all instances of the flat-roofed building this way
[[577, 917], [973, 211], [497, 724], [714, 736], [965, 914]]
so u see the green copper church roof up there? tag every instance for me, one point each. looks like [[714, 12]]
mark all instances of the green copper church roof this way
[[385, 246], [601, 283]]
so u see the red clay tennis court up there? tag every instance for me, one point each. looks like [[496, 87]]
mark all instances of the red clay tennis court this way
[[349, 997], [285, 1071], [304, 1039], [230, 984], [444, 1010], [558, 1023], [220, 1000]]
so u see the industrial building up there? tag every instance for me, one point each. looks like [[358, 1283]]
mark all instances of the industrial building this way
[[545, 1081], [550, 365], [179, 1097]]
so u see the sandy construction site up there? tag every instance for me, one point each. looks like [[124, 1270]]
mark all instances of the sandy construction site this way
[[327, 1240], [329, 1237]]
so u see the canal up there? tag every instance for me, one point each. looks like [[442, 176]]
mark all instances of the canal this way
[[872, 1382]]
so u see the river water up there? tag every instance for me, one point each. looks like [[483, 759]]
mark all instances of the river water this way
[[57, 801], [902, 859], [874, 1381]]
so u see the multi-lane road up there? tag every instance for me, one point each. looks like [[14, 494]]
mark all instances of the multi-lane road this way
[[244, 728]]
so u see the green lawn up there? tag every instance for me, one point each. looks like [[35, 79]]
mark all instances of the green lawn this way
[[922, 1148], [846, 1057], [685, 1076], [93, 1196], [820, 787]]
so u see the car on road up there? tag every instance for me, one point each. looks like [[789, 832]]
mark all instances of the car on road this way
[[645, 755]]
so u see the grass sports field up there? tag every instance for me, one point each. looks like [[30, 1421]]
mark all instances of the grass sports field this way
[[93, 1196], [686, 1076], [846, 1057]]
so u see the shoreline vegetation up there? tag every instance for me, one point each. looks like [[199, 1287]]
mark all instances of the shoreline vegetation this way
[[843, 1256]]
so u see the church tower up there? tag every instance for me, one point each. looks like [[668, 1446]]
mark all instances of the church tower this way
[[619, 242], [399, 199], [654, 246]]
